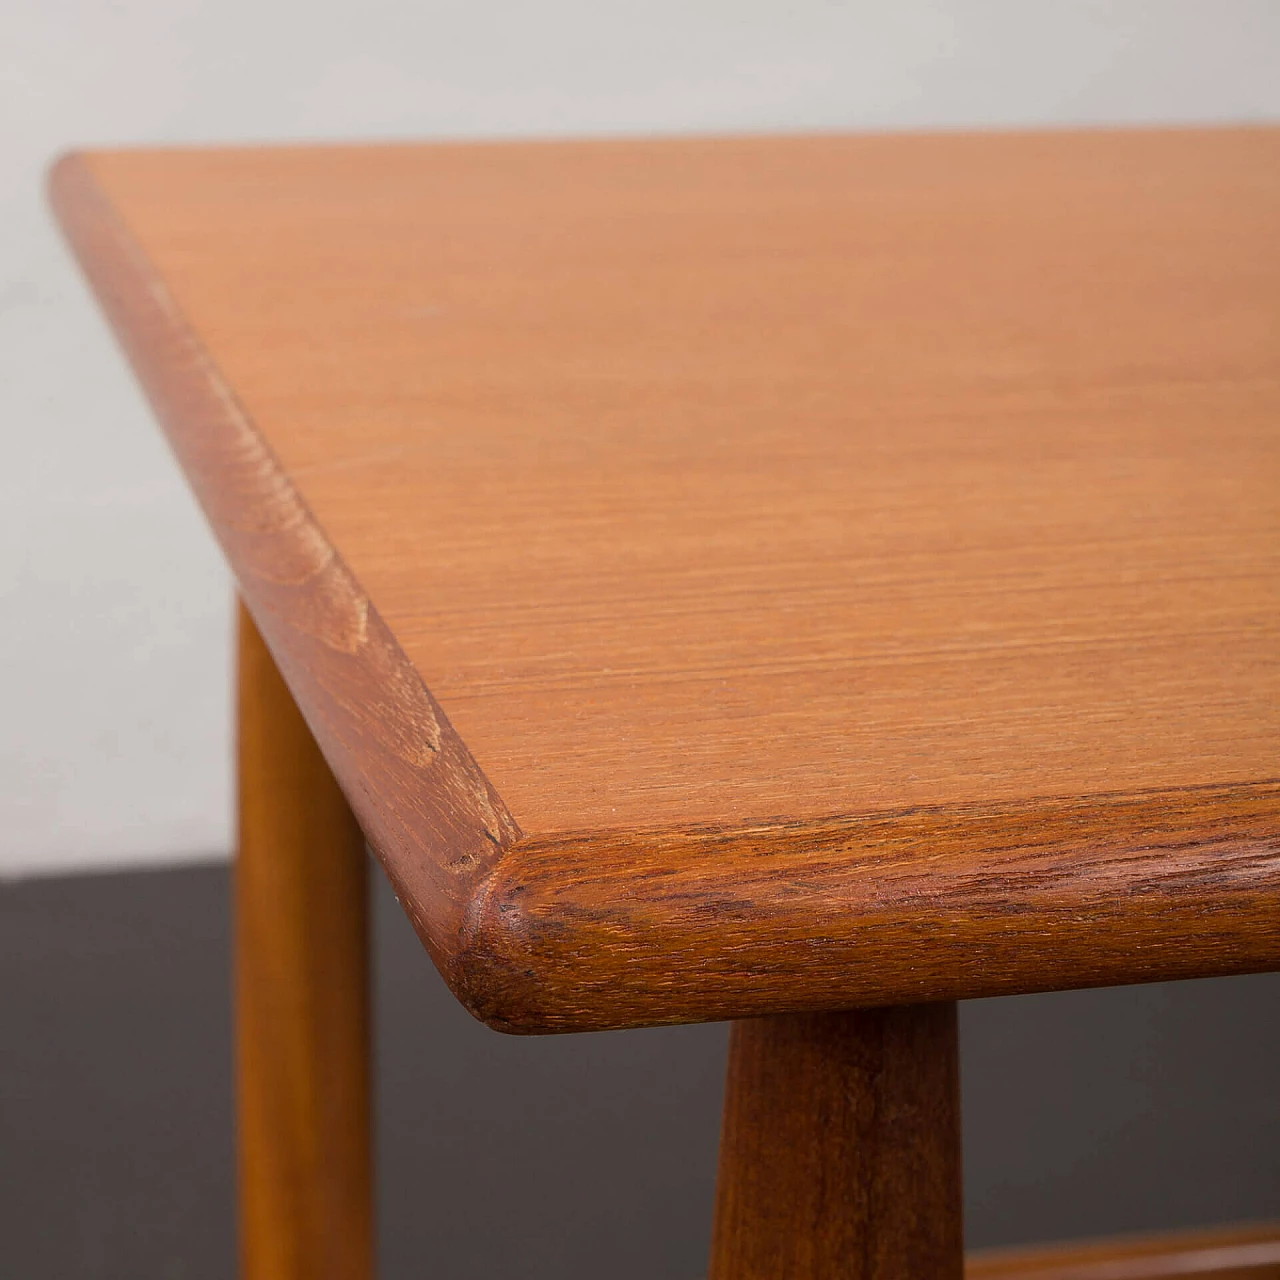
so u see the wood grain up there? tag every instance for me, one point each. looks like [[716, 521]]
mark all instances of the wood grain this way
[[428, 811], [301, 997], [913, 906], [852, 564], [840, 1149], [1224, 1253]]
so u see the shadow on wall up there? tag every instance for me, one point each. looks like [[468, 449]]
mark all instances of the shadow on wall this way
[[566, 1157]]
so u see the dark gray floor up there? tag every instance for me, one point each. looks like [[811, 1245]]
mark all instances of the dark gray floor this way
[[570, 1157]]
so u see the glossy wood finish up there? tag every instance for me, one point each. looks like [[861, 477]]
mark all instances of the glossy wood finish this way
[[1224, 1253], [301, 997], [846, 570], [840, 1148]]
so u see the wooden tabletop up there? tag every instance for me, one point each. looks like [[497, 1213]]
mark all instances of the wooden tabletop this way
[[731, 576]]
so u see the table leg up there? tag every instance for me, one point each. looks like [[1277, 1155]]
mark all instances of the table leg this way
[[301, 995], [840, 1148]]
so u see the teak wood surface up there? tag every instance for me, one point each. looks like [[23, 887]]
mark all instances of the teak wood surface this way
[[751, 575]]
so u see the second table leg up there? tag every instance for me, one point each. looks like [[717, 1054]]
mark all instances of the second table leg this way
[[840, 1148]]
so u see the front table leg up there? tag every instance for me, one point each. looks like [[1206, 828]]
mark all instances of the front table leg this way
[[301, 997], [840, 1148]]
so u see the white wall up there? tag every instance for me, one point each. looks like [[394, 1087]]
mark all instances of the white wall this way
[[114, 609]]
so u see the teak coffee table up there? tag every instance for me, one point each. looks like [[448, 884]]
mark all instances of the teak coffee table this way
[[801, 581]]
